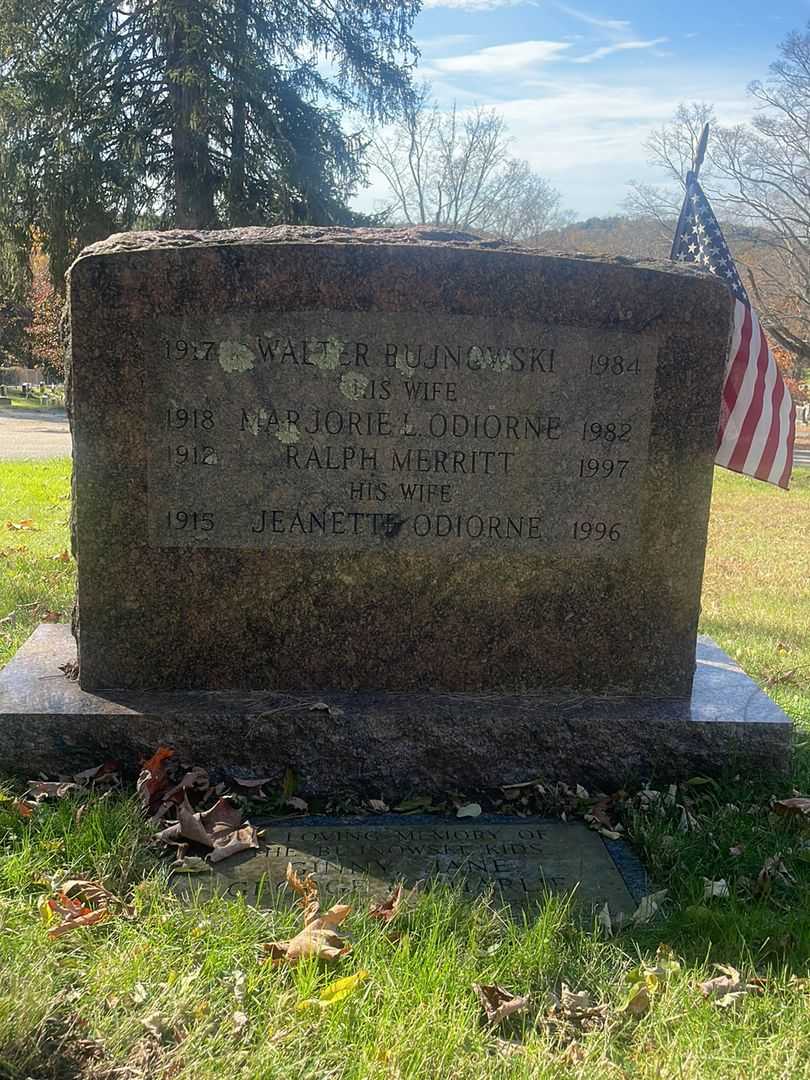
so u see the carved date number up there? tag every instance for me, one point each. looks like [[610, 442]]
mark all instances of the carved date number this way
[[193, 455], [191, 520], [614, 431], [613, 365], [597, 530], [601, 469], [196, 419], [188, 350]]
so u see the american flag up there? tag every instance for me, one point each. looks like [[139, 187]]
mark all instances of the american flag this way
[[757, 417]]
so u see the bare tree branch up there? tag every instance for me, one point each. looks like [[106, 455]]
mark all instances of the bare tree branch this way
[[454, 170]]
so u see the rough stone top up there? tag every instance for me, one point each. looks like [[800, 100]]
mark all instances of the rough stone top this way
[[410, 236]]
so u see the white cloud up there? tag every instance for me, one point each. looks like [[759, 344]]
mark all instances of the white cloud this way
[[445, 41], [618, 46], [502, 59], [618, 26]]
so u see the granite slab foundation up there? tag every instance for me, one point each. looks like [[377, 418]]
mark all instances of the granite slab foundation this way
[[393, 742]]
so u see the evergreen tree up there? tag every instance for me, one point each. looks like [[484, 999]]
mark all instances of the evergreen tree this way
[[189, 113]]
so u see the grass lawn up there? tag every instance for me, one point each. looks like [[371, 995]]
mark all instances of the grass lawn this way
[[52, 404], [179, 990], [36, 572]]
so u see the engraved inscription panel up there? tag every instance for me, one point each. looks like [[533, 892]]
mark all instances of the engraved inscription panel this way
[[406, 431], [520, 862]]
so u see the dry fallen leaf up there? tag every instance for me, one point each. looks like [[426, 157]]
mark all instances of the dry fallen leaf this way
[[79, 903], [599, 815], [318, 938], [231, 843], [26, 525], [639, 1003], [307, 890], [190, 864], [575, 1011], [472, 809], [378, 806], [109, 772], [498, 1004], [220, 829], [712, 889], [195, 782], [773, 870], [610, 834], [47, 789], [574, 1054], [605, 921], [729, 987], [251, 785], [321, 706], [648, 907], [796, 807], [63, 556], [387, 909], [153, 780]]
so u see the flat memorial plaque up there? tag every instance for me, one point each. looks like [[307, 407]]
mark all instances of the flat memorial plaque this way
[[521, 861], [316, 429]]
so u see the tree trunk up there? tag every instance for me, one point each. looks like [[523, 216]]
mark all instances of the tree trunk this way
[[239, 210], [193, 180]]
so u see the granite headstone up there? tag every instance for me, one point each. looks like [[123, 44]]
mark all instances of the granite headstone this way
[[395, 507]]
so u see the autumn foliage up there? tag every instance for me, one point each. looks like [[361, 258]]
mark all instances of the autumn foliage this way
[[45, 344], [787, 365]]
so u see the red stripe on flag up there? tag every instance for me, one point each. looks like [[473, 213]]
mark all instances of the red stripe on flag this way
[[736, 373], [763, 469], [784, 479], [754, 412]]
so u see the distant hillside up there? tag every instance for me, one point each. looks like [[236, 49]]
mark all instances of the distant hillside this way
[[644, 238]]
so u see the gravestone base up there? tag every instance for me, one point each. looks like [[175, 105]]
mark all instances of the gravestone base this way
[[392, 743]]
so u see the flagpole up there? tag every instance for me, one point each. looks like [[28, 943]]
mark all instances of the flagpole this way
[[691, 179], [700, 154]]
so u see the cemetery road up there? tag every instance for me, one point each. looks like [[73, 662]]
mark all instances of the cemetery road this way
[[29, 433]]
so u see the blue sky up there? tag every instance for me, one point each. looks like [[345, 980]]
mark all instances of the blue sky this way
[[582, 84]]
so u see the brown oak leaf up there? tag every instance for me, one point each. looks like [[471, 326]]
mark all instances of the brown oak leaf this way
[[307, 890], [796, 807], [499, 1004], [729, 987], [319, 938], [153, 780], [387, 909]]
